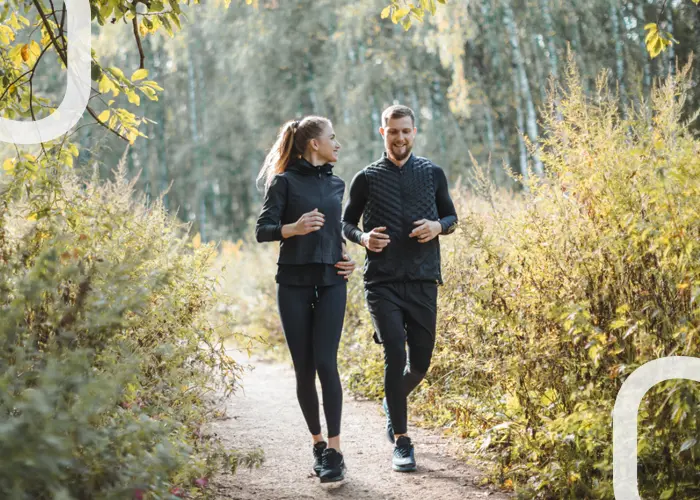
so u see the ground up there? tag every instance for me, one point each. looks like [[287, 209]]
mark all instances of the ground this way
[[264, 413]]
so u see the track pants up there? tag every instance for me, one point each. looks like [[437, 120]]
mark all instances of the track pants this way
[[403, 313], [312, 320]]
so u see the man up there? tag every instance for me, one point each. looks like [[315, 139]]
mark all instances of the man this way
[[404, 203]]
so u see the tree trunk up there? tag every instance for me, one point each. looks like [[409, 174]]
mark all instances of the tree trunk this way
[[646, 75], [196, 156], [520, 121], [550, 38], [619, 55], [523, 83]]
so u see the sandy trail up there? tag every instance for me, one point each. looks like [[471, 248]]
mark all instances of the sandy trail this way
[[265, 413]]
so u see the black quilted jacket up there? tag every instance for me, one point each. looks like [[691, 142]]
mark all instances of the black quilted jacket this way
[[386, 195]]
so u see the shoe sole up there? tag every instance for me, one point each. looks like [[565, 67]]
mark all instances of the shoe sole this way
[[337, 479], [333, 479], [404, 468]]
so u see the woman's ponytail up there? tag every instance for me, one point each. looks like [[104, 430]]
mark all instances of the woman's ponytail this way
[[278, 157]]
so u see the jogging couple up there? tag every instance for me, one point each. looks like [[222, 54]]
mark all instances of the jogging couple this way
[[405, 205]]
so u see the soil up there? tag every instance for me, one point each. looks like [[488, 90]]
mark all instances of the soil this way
[[264, 413]]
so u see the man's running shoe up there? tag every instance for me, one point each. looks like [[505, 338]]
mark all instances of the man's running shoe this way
[[404, 459]]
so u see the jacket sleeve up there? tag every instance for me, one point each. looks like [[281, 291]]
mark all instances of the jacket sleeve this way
[[354, 207], [269, 224], [445, 206]]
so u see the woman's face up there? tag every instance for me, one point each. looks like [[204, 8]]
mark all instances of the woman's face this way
[[327, 146]]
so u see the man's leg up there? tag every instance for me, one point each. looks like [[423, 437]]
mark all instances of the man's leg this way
[[421, 322], [389, 324]]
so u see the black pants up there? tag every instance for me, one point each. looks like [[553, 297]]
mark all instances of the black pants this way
[[403, 313], [312, 320]]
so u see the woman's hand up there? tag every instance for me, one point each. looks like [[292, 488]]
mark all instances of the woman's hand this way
[[309, 222], [347, 265]]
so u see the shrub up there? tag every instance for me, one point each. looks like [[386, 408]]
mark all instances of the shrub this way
[[108, 360]]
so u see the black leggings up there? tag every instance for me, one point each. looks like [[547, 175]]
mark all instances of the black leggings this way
[[403, 313], [312, 320]]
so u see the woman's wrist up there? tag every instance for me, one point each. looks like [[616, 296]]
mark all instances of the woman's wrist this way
[[289, 230]]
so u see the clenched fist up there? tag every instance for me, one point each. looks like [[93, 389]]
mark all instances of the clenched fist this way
[[309, 222], [375, 240]]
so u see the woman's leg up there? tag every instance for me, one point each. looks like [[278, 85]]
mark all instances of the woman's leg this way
[[296, 313], [329, 314]]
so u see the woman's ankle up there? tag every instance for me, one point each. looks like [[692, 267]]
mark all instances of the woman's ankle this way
[[334, 443]]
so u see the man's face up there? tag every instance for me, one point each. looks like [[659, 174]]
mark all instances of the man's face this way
[[398, 137]]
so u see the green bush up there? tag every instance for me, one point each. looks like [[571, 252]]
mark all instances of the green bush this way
[[553, 298], [108, 360]]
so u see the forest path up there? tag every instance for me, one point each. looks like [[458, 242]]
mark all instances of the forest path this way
[[264, 413]]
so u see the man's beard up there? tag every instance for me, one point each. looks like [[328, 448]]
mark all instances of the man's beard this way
[[400, 156]]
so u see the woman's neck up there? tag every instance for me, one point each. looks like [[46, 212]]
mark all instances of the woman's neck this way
[[314, 159]]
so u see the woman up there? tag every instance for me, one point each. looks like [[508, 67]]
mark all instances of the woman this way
[[302, 210]]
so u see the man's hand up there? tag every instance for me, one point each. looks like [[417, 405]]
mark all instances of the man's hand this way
[[375, 240], [426, 230], [346, 266]]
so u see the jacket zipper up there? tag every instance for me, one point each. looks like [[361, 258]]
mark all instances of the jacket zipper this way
[[403, 215], [320, 199]]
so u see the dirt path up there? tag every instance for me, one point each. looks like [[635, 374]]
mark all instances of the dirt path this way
[[265, 414]]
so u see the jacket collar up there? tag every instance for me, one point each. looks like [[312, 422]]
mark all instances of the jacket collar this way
[[304, 167], [388, 162]]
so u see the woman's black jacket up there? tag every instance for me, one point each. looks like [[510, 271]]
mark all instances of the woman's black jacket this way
[[300, 189]]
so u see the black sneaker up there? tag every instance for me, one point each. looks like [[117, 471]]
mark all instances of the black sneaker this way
[[404, 459], [318, 454], [389, 427], [333, 466]]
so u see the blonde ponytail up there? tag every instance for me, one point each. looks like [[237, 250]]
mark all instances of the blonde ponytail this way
[[278, 157]]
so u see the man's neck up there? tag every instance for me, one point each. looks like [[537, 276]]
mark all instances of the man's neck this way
[[396, 162]]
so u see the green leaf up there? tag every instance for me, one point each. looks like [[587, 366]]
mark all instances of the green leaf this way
[[399, 14], [95, 72], [139, 74], [119, 74], [8, 165], [176, 20], [689, 443], [133, 97], [667, 494], [417, 14]]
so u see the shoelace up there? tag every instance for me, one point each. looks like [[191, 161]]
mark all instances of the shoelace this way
[[403, 451], [327, 461]]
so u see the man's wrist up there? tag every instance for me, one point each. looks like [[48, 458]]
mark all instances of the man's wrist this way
[[364, 242]]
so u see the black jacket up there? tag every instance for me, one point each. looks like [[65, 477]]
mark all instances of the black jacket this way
[[384, 194], [300, 189]]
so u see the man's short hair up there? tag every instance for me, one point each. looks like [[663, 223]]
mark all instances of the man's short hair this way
[[397, 111]]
